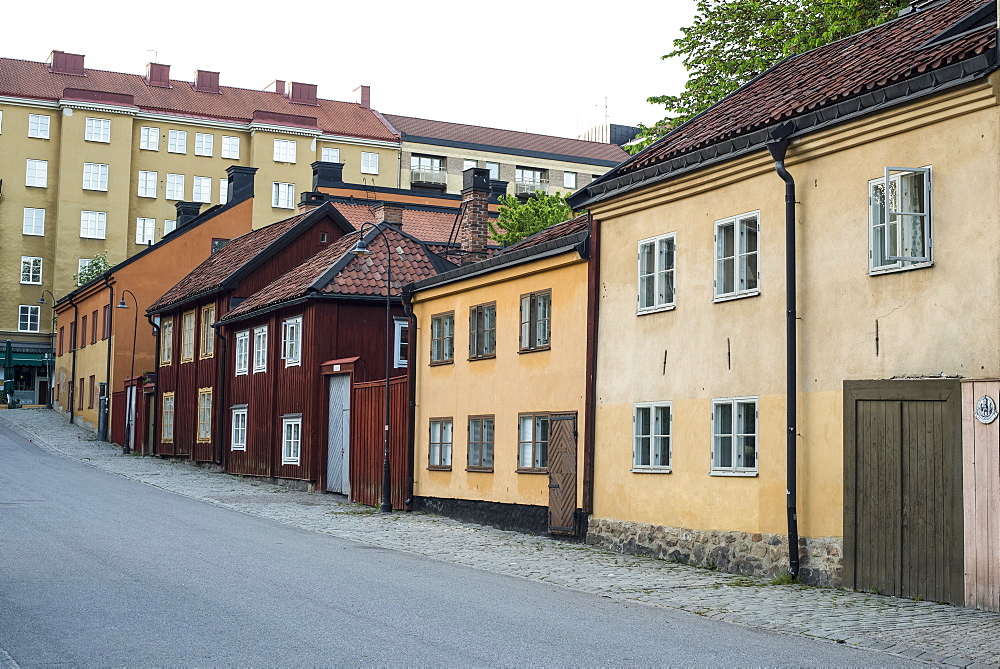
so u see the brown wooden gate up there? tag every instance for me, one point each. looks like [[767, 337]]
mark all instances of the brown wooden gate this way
[[368, 441], [903, 517], [562, 473]]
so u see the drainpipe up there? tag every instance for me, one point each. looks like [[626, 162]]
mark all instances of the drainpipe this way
[[105, 402], [777, 147], [72, 378], [156, 385], [221, 382], [590, 401], [411, 388]]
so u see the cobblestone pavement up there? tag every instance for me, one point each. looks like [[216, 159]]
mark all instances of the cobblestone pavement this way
[[914, 632]]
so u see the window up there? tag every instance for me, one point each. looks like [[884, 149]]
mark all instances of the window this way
[[283, 195], [223, 191], [62, 339], [900, 229], [284, 150], [177, 141], [79, 395], [175, 187], [528, 180], [230, 147], [93, 224], [427, 169], [38, 126], [202, 191], [656, 274], [83, 331], [330, 155], [27, 320], [651, 439], [734, 436], [34, 221], [169, 225], [238, 440], [369, 163], [440, 443], [469, 164], [242, 352], [167, 433], [147, 183], [37, 174], [569, 180], [187, 337], [536, 317], [533, 441], [291, 341], [401, 351], [31, 270], [106, 319], [204, 414], [204, 144], [167, 341], [72, 336], [145, 228], [442, 338], [149, 138], [260, 349], [207, 332], [736, 256], [93, 326], [494, 169], [483, 331], [291, 439], [90, 395], [98, 130], [95, 176], [81, 266], [481, 443]]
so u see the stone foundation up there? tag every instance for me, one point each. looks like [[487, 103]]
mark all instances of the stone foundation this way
[[748, 553]]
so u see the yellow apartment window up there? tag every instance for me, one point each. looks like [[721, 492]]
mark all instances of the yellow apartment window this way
[[167, 342], [204, 414], [207, 333], [187, 337]]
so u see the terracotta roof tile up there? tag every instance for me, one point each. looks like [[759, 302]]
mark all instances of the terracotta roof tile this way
[[33, 80], [564, 229], [428, 226]]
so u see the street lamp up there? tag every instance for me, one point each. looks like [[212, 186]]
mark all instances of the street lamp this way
[[361, 249], [130, 410], [50, 356]]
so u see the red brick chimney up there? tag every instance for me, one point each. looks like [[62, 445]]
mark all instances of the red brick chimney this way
[[474, 230], [158, 74], [206, 82], [389, 212], [366, 96], [61, 62]]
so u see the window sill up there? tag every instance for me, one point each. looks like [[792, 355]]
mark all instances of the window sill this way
[[728, 297], [203, 441], [491, 356], [183, 360], [651, 470], [480, 470], [290, 462], [259, 371], [532, 471], [297, 363], [730, 473], [904, 268], [239, 449], [655, 310], [166, 363], [439, 363], [243, 373], [535, 350], [439, 468]]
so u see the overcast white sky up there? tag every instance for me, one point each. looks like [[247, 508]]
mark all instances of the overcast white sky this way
[[540, 66]]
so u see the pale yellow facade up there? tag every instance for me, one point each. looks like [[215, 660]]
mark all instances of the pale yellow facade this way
[[940, 319], [505, 386]]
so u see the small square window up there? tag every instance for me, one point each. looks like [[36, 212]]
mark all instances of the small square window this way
[[734, 436], [175, 187], [230, 147], [204, 144], [93, 224], [481, 443], [283, 195], [95, 176], [147, 183], [202, 190], [443, 338], [439, 451], [533, 442], [34, 222], [369, 163], [28, 317], [145, 228], [38, 126], [98, 130], [469, 164], [149, 138], [900, 226], [330, 155], [736, 256], [536, 321], [569, 180], [651, 445], [37, 174], [483, 331], [177, 141], [31, 270], [284, 150], [494, 169]]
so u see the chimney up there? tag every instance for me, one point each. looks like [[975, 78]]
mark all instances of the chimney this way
[[276, 86], [158, 75], [366, 96], [240, 184], [206, 82], [310, 201], [303, 94], [474, 231], [187, 212], [389, 212], [61, 62], [330, 175], [497, 189]]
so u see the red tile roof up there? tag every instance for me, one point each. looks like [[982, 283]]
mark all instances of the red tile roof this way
[[29, 79], [506, 139], [428, 226], [878, 57], [564, 229]]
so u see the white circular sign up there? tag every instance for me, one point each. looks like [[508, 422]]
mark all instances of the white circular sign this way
[[986, 410]]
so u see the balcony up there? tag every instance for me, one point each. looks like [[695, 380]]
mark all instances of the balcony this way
[[429, 176], [525, 187]]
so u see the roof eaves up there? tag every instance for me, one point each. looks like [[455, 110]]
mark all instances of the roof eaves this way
[[263, 310], [184, 300], [526, 153]]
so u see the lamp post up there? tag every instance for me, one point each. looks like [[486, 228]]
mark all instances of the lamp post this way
[[130, 410], [361, 249], [50, 356]]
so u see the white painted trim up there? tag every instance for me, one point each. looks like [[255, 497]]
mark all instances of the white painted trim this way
[[187, 120], [92, 106], [343, 139], [283, 129], [28, 102]]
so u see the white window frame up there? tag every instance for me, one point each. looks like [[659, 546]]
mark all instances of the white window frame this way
[[177, 141], [149, 138], [169, 225], [656, 432], [439, 451], [175, 187], [81, 265], [291, 439], [282, 195], [145, 230], [167, 341], [204, 415], [469, 164], [230, 147], [223, 191], [330, 154], [741, 257], [369, 163], [147, 183], [98, 130], [36, 173], [570, 180], [884, 220], [659, 276], [95, 176], [285, 150], [529, 456], [167, 431], [238, 430], [204, 144], [38, 126], [93, 224], [28, 315], [291, 341], [400, 324], [201, 190], [31, 270], [494, 169], [33, 223], [734, 435], [187, 336], [242, 351], [260, 349]]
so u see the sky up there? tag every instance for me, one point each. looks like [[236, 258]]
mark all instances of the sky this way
[[554, 68]]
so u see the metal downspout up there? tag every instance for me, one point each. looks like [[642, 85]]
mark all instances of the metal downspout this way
[[411, 379], [72, 378], [221, 380], [778, 148], [104, 422], [156, 386]]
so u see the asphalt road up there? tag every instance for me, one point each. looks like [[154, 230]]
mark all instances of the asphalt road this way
[[100, 570]]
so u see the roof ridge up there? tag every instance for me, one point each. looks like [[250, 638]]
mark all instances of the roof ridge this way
[[488, 127]]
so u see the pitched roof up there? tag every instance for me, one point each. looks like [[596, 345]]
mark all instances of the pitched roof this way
[[427, 225], [421, 130], [557, 231], [30, 79], [335, 271], [894, 61]]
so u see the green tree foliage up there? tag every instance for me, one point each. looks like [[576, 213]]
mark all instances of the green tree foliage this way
[[95, 268], [517, 220], [733, 41]]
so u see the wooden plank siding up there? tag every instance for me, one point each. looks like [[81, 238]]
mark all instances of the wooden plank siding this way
[[368, 441], [981, 464]]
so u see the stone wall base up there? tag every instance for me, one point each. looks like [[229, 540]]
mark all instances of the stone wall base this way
[[747, 553], [517, 517]]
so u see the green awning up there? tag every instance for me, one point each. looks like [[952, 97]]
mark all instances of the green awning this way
[[35, 359]]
